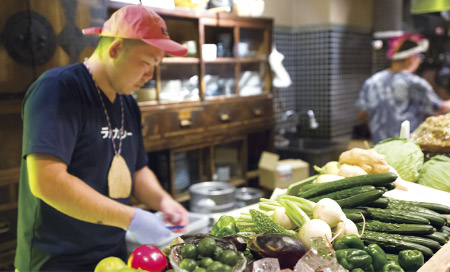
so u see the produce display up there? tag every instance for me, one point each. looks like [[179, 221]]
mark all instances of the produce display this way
[[404, 155], [434, 133], [337, 220], [435, 174]]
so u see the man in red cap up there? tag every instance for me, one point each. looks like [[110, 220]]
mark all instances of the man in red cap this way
[[396, 94], [83, 153]]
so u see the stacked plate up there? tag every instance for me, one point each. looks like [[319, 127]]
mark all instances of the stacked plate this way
[[181, 166]]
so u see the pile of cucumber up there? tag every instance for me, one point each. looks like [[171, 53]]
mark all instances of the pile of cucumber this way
[[391, 223]]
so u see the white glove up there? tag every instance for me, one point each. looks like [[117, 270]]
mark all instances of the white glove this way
[[147, 228]]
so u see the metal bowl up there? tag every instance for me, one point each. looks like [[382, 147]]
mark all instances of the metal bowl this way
[[212, 197], [247, 195]]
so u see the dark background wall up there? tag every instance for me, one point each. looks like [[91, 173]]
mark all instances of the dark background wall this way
[[35, 35], [327, 65]]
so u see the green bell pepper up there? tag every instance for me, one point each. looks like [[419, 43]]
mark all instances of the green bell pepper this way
[[351, 258], [358, 270], [349, 241], [410, 259], [392, 258], [378, 256], [226, 225], [392, 267]]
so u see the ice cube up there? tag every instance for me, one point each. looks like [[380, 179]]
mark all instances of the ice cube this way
[[320, 257], [266, 265]]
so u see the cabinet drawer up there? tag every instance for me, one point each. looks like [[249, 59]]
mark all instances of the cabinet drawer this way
[[258, 109], [150, 124], [181, 121], [224, 113]]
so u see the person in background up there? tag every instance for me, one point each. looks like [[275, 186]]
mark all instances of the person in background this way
[[396, 94], [83, 155]]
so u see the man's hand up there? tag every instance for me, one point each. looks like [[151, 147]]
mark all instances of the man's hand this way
[[147, 228], [174, 212]]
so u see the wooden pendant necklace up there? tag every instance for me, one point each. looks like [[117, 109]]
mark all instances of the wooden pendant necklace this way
[[119, 176]]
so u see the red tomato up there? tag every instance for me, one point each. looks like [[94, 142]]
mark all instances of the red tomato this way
[[148, 258]]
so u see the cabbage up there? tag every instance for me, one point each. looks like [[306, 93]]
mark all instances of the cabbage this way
[[403, 155], [435, 173]]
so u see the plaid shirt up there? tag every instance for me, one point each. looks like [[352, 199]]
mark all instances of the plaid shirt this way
[[390, 98]]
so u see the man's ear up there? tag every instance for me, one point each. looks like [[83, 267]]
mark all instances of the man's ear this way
[[115, 48]]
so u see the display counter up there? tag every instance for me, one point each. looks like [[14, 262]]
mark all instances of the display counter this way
[[440, 261]]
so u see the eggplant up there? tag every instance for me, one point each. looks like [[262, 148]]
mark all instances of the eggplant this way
[[287, 249], [238, 241]]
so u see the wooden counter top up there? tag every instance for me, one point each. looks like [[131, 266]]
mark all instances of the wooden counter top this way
[[440, 262]]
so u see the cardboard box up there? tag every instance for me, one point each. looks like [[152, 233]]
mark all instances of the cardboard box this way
[[274, 173]]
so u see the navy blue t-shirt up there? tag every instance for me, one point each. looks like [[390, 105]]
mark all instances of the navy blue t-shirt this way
[[63, 116]]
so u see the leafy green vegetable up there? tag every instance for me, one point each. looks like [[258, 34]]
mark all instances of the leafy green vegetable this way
[[403, 155], [435, 173], [264, 224]]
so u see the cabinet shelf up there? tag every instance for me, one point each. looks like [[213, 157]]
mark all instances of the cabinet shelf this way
[[190, 60], [236, 60], [176, 60], [237, 181], [252, 60], [222, 60], [182, 197]]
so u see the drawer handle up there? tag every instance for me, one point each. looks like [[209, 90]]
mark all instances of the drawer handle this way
[[224, 117], [185, 122], [257, 112]]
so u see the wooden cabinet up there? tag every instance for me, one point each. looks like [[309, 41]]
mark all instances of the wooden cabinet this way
[[209, 118]]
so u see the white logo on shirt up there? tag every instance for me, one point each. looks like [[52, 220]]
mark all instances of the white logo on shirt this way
[[115, 133]]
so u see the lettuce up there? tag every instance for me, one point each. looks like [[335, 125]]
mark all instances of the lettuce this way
[[403, 155], [435, 173]]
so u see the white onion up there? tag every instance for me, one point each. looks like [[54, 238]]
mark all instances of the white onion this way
[[314, 228], [329, 211], [344, 228]]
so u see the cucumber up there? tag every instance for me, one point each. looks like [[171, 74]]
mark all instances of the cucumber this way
[[389, 186], [381, 202], [443, 235], [395, 244], [435, 218], [382, 188], [356, 210], [295, 187], [370, 179], [360, 199], [430, 243], [445, 229], [355, 214], [412, 229], [355, 217], [396, 216], [344, 193], [439, 208], [306, 187], [435, 236]]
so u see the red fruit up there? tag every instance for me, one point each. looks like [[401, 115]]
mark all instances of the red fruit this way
[[148, 258]]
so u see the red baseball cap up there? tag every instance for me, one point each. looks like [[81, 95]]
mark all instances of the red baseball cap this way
[[139, 22]]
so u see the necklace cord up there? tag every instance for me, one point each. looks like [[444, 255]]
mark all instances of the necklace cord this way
[[119, 150]]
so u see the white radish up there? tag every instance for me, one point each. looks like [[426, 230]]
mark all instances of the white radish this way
[[314, 228], [327, 178], [281, 218], [344, 228], [329, 211]]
